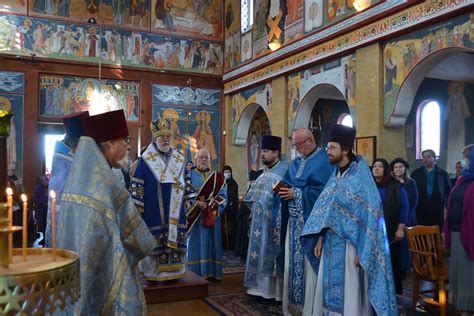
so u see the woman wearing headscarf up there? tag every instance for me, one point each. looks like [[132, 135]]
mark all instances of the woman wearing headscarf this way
[[232, 207], [399, 167], [395, 211], [459, 237]]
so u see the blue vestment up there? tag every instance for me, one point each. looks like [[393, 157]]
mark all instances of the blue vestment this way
[[307, 177], [205, 243], [100, 223], [264, 240], [159, 188], [349, 211], [62, 161]]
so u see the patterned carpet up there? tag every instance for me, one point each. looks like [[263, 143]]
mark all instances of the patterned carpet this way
[[232, 263]]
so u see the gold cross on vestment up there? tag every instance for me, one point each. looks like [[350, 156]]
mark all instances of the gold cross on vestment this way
[[177, 185], [152, 156], [273, 25]]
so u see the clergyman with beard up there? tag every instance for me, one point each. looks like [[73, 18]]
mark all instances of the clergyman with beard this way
[[157, 188], [262, 278], [100, 222], [344, 238]]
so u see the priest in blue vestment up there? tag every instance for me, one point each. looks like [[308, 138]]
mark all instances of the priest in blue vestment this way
[[205, 237], [157, 188], [262, 277], [62, 160], [100, 222], [345, 238], [305, 179]]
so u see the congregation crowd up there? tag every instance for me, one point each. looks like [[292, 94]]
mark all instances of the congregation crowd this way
[[325, 234]]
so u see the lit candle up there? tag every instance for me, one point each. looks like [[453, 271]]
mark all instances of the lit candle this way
[[10, 222], [53, 221], [25, 217]]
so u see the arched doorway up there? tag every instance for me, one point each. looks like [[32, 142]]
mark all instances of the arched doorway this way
[[446, 78], [253, 124], [321, 107]]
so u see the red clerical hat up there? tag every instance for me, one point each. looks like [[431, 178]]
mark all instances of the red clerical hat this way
[[73, 124], [106, 126]]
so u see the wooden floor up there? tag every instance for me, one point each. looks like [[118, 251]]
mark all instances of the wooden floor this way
[[231, 283]]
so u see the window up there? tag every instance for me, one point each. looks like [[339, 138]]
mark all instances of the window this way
[[49, 143], [246, 15], [428, 123], [346, 119]]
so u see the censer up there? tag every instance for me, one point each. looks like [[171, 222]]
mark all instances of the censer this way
[[33, 281]]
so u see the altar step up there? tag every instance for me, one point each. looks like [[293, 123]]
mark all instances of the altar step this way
[[191, 286]]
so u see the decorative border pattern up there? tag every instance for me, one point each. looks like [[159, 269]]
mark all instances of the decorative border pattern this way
[[315, 37], [400, 21]]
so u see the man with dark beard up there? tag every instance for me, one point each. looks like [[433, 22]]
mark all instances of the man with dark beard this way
[[101, 223], [157, 188], [261, 275], [345, 239]]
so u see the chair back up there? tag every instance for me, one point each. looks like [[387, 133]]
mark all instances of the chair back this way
[[424, 243]]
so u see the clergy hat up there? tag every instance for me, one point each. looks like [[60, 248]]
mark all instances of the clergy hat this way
[[344, 135], [73, 124], [160, 127], [106, 126], [271, 142]]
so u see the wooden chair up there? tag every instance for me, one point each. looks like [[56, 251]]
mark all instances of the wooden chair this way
[[428, 264]]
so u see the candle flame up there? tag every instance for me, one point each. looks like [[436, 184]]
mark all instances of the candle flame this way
[[23, 198], [9, 191], [52, 194]]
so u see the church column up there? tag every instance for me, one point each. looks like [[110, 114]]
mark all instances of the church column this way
[[279, 114], [370, 107]]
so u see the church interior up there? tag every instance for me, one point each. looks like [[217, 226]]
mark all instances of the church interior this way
[[225, 74]]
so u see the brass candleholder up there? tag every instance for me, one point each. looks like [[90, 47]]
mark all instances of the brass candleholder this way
[[38, 285]]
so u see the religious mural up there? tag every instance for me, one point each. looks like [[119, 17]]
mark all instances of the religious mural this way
[[13, 6], [258, 127], [232, 34], [261, 95], [402, 54], [61, 95], [341, 73], [269, 24], [196, 18], [195, 117], [12, 99], [123, 13], [84, 42]]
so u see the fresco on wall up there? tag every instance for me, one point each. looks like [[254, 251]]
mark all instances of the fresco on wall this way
[[232, 51], [203, 18], [294, 26], [232, 34], [341, 73], [246, 47], [12, 99], [404, 53], [61, 95], [261, 95], [269, 24], [81, 42], [258, 127], [13, 6], [195, 115], [123, 13]]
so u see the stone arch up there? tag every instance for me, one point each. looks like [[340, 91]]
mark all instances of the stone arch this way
[[241, 133]]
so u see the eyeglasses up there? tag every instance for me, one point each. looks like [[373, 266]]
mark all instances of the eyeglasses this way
[[328, 148], [127, 139], [298, 144]]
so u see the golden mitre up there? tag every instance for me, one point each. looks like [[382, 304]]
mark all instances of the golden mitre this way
[[160, 127]]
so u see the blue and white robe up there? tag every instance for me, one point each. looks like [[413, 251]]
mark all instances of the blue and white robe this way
[[307, 176], [205, 243], [62, 162], [158, 187], [349, 216], [261, 274]]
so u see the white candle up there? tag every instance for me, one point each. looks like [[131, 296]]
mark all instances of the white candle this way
[[53, 221], [25, 225], [10, 222]]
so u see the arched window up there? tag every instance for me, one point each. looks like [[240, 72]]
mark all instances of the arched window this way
[[345, 119], [428, 127], [246, 15]]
